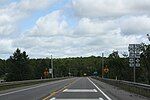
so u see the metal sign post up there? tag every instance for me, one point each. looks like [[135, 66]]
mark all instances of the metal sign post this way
[[102, 63], [52, 67], [134, 57]]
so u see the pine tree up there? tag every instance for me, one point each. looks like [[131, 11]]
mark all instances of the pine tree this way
[[19, 68]]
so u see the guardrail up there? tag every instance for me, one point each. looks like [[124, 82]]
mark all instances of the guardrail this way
[[138, 88], [8, 85]]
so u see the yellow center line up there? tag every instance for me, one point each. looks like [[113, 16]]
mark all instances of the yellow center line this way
[[55, 92]]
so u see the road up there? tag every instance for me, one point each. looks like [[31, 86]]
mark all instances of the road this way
[[79, 88]]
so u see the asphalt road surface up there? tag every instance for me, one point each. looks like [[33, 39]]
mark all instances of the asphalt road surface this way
[[80, 88]]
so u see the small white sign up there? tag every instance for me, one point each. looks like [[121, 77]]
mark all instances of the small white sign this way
[[50, 70]]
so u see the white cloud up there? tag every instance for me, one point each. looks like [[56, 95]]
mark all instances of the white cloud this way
[[135, 25], [30, 5], [88, 27], [13, 13], [51, 24], [100, 25], [110, 8], [5, 46]]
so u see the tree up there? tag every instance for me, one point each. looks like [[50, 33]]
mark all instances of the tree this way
[[145, 57], [19, 68], [3, 68], [117, 66]]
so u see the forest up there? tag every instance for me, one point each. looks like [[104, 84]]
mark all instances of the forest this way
[[20, 67]]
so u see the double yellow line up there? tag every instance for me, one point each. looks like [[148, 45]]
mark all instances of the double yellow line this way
[[56, 92]]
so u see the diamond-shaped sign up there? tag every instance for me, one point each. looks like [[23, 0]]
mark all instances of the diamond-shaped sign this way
[[137, 60]]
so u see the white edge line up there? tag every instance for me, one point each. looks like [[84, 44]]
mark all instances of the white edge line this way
[[95, 90], [100, 90], [30, 88], [53, 98], [65, 90], [101, 99]]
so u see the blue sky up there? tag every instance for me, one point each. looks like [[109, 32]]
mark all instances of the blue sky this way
[[70, 28]]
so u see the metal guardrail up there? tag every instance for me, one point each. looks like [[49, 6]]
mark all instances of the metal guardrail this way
[[8, 85], [138, 88]]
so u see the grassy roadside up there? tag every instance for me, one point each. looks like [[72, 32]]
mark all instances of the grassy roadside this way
[[15, 85]]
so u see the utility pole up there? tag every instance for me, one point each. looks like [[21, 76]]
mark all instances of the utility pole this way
[[102, 63], [52, 66], [134, 66], [69, 72]]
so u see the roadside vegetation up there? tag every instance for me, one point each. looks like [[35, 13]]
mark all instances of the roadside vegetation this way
[[20, 67]]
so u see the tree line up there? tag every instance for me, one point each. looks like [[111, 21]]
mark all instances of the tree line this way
[[20, 67]]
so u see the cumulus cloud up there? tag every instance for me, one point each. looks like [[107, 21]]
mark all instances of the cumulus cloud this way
[[105, 25], [5, 46], [14, 12], [88, 37], [135, 25], [49, 25], [110, 8], [30, 5], [91, 27]]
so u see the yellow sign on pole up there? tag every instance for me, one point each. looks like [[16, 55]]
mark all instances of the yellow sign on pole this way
[[106, 69], [46, 72]]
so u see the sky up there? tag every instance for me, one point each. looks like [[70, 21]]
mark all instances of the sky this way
[[71, 28]]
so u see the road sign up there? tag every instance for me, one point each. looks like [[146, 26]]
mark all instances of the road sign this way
[[50, 70], [137, 64], [45, 73], [106, 69], [131, 64], [137, 60], [134, 56], [137, 55], [131, 60], [131, 55]]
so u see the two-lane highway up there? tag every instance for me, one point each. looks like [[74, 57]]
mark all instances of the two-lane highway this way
[[80, 88], [34, 92], [85, 88]]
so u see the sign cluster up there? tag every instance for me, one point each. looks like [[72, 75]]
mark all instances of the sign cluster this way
[[134, 55]]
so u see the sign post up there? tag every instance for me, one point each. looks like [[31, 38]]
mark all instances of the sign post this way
[[52, 70], [102, 63], [134, 56]]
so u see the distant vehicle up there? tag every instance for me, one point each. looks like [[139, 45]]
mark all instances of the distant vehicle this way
[[84, 74]]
